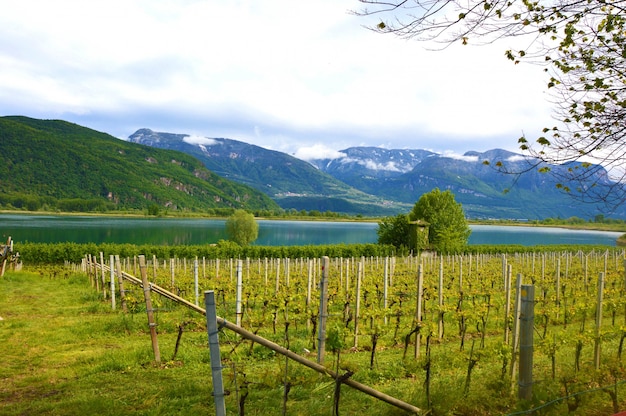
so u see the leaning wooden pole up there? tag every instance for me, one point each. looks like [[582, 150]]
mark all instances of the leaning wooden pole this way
[[222, 323]]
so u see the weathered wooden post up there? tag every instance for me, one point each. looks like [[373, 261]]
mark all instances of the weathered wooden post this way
[[358, 301], [385, 288], [103, 276], [441, 312], [598, 342], [214, 351], [195, 280], [112, 275], [516, 324], [120, 282], [154, 268], [323, 315], [527, 318], [418, 309], [277, 285], [507, 302], [146, 294], [172, 273]]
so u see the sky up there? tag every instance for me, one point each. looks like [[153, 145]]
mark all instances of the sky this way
[[301, 77]]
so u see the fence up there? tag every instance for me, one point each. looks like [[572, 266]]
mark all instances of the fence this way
[[475, 294]]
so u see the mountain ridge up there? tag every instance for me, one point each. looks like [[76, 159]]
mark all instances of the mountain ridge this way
[[65, 166], [396, 178]]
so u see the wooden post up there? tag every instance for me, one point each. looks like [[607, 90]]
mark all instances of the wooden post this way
[[557, 279], [441, 313], [195, 280], [146, 294], [277, 285], [527, 318], [214, 351], [112, 262], [238, 309], [516, 324], [323, 315], [120, 281], [598, 341], [103, 276], [624, 290], [92, 278], [172, 272], [385, 288], [507, 302], [309, 283], [154, 268], [418, 309], [358, 302]]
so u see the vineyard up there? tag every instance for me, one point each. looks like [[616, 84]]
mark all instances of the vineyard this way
[[438, 332]]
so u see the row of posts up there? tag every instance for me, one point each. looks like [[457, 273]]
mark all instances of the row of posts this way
[[525, 300]]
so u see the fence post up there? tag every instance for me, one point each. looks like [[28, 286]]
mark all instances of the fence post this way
[[321, 340], [418, 308], [597, 345], [214, 350], [238, 309], [357, 296], [103, 276], [195, 280], [527, 318], [516, 325], [385, 288], [112, 262], [120, 282], [149, 310]]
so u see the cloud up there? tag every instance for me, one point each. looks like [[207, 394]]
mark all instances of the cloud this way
[[457, 156], [318, 151], [516, 158], [199, 140], [282, 83]]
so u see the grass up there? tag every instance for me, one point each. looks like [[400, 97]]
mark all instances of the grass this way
[[65, 352]]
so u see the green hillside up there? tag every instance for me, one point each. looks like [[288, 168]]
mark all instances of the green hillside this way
[[59, 165]]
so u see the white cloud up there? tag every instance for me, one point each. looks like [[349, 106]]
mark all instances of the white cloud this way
[[290, 75], [516, 158], [318, 151], [389, 166], [457, 156], [199, 140]]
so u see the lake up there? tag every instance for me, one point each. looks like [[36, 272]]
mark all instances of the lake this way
[[183, 231]]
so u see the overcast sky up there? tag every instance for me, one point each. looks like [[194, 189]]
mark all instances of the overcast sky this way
[[303, 77]]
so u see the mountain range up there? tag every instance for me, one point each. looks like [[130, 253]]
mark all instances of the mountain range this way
[[56, 165], [378, 181]]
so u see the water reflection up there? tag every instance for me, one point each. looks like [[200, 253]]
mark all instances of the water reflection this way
[[167, 231]]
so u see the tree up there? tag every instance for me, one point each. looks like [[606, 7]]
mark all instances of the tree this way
[[448, 231], [242, 228], [394, 231], [582, 45]]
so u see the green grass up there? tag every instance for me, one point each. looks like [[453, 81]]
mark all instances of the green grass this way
[[65, 352]]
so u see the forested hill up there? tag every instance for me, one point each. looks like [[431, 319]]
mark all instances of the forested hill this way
[[60, 165]]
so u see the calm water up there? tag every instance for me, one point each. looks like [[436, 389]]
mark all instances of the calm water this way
[[49, 228]]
